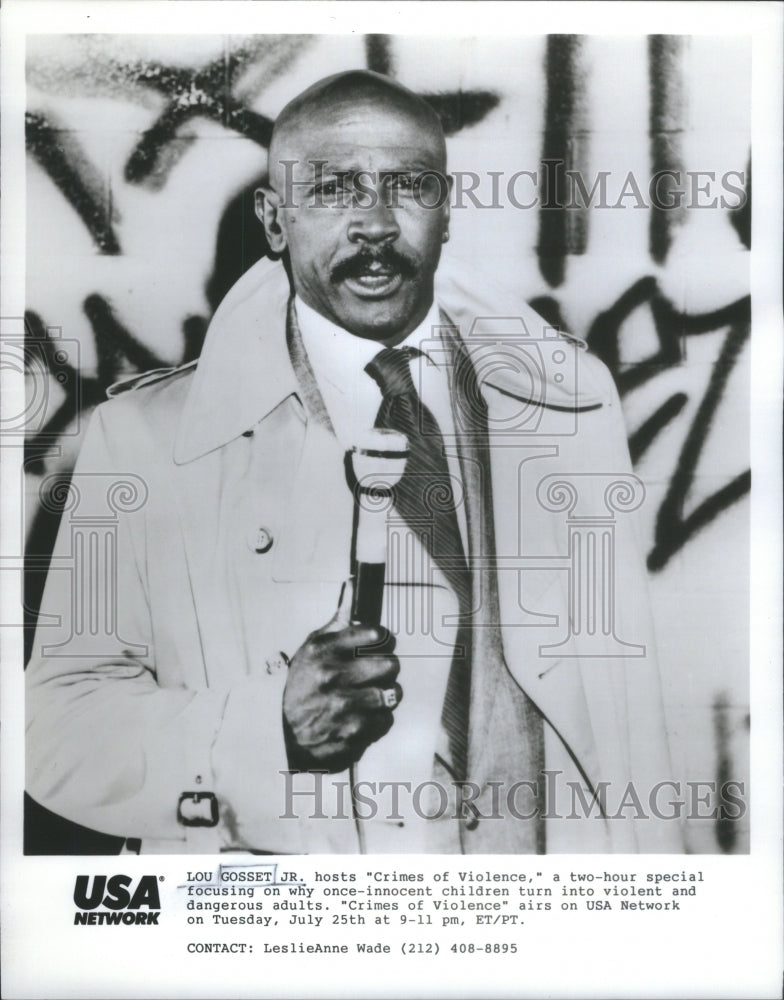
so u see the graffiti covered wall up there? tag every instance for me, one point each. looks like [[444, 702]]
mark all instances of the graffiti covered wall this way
[[143, 154]]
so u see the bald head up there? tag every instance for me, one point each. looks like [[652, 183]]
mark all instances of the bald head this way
[[348, 105], [358, 199]]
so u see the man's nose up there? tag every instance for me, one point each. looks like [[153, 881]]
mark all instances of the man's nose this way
[[373, 222]]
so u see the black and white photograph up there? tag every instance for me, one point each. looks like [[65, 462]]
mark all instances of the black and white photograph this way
[[383, 412]]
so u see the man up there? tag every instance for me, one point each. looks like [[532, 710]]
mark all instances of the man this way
[[227, 715]]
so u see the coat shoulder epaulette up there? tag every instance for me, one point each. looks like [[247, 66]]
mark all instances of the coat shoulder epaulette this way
[[144, 379], [574, 339]]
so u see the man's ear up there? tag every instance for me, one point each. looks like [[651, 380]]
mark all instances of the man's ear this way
[[267, 208], [446, 207]]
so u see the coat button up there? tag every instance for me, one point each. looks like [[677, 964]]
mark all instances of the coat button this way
[[261, 540]]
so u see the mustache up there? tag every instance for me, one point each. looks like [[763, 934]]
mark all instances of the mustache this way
[[386, 255]]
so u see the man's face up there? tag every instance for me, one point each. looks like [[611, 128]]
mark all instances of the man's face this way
[[363, 240]]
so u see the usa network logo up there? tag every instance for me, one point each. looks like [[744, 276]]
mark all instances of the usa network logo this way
[[117, 900]]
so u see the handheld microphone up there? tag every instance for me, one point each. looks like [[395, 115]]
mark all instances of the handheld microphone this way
[[373, 466]]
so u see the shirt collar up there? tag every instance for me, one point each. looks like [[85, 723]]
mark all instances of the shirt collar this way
[[337, 355]]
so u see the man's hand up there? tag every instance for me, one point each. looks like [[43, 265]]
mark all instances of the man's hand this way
[[336, 701]]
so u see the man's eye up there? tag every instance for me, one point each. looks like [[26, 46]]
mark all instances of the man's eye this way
[[327, 190], [403, 183]]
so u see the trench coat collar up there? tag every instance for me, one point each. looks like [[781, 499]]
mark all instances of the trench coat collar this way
[[245, 369]]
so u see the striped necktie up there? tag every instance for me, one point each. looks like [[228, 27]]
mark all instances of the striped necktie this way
[[425, 499]]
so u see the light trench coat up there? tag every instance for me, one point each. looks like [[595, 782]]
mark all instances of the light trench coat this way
[[225, 548]]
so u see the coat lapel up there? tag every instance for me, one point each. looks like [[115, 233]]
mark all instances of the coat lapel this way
[[506, 734], [531, 603], [317, 542]]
